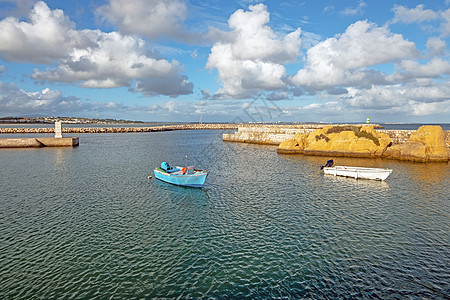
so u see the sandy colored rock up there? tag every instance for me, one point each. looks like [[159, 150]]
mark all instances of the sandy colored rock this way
[[426, 144], [294, 145], [339, 141]]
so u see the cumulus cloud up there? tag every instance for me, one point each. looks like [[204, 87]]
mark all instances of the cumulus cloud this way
[[249, 58], [405, 15], [426, 109], [436, 46], [92, 58], [343, 60], [48, 36], [405, 98], [413, 15], [413, 70], [114, 61], [17, 102], [382, 103], [173, 86], [150, 18]]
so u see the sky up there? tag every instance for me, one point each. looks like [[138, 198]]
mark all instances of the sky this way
[[226, 61]]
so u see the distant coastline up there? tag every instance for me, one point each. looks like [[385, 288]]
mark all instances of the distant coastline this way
[[66, 120], [71, 122]]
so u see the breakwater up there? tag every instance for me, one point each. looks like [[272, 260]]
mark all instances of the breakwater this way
[[247, 133], [274, 135], [22, 130], [39, 142], [250, 127]]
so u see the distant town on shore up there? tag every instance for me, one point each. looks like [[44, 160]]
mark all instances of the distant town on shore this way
[[68, 120]]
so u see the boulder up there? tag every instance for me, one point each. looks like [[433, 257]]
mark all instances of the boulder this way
[[294, 145], [426, 144], [359, 141]]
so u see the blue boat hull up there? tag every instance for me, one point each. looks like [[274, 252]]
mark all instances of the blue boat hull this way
[[195, 180]]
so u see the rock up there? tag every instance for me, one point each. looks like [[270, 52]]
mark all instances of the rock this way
[[354, 141], [426, 144], [294, 145]]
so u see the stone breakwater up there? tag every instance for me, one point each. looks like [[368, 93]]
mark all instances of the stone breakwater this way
[[20, 130]]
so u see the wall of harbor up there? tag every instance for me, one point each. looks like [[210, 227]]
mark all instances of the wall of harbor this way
[[247, 133], [39, 142], [23, 130], [275, 135], [256, 127]]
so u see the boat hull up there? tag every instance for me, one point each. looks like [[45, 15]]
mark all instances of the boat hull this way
[[195, 180], [356, 172]]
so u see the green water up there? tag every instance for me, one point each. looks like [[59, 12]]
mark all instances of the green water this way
[[87, 223]]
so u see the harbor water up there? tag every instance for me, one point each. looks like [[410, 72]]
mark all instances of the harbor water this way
[[88, 223]]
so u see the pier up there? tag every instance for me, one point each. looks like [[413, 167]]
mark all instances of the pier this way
[[57, 141], [39, 142]]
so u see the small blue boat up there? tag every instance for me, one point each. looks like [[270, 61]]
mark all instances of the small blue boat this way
[[184, 176]]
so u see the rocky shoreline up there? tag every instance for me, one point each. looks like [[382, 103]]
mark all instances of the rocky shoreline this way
[[428, 143]]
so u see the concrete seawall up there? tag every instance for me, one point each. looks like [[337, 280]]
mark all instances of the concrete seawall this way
[[39, 142]]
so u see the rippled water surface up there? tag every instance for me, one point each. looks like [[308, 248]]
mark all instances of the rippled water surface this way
[[88, 223]]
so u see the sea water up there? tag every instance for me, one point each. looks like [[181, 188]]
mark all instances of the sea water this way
[[88, 223]]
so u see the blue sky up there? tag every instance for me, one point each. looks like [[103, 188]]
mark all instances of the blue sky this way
[[177, 60]]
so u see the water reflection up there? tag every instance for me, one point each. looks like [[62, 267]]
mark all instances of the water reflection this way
[[59, 158], [179, 194], [87, 223], [428, 174]]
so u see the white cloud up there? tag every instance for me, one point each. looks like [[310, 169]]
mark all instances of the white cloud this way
[[343, 60], [353, 11], [407, 99], [413, 15], [113, 62], [48, 36], [445, 26], [420, 15], [436, 46], [434, 108], [410, 69], [172, 85], [150, 18], [3, 69], [92, 58], [250, 57], [17, 102]]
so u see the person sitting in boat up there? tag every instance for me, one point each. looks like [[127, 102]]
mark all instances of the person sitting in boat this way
[[329, 164], [167, 168]]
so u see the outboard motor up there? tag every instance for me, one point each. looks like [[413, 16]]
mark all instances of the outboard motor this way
[[329, 164], [165, 166]]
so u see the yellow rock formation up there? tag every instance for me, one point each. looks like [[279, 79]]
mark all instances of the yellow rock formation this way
[[339, 141], [426, 144]]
